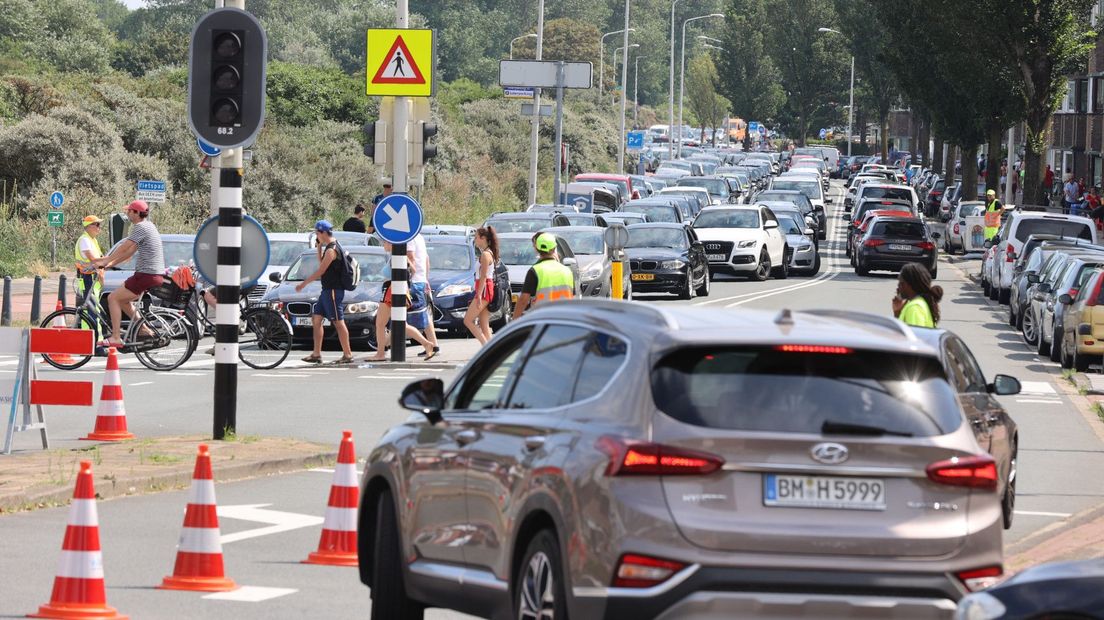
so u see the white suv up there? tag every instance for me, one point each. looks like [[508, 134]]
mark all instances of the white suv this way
[[1020, 226], [743, 240]]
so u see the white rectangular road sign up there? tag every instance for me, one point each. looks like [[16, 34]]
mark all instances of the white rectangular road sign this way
[[527, 109], [151, 191], [542, 73]]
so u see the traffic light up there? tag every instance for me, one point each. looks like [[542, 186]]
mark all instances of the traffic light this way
[[377, 141], [429, 151], [226, 78]]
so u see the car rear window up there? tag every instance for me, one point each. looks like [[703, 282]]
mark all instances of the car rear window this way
[[805, 389], [900, 230], [892, 193], [1061, 228]]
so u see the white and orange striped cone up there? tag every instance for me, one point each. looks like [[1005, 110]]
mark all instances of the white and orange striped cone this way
[[79, 585], [338, 544], [199, 554], [111, 424], [59, 323]]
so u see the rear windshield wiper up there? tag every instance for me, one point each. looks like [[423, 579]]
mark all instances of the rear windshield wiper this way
[[845, 428]]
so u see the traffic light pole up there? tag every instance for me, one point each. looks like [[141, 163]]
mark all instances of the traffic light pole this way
[[227, 292], [400, 185]]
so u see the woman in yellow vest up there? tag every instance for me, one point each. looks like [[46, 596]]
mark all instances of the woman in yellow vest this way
[[548, 280], [89, 278], [917, 300], [993, 210]]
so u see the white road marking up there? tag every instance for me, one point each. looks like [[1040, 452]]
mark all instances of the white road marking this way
[[279, 521], [140, 383], [1039, 401], [329, 470], [251, 594], [408, 377], [278, 375], [1038, 388], [1031, 513]]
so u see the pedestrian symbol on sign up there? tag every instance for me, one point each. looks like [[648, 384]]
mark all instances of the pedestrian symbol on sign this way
[[56, 200], [396, 64]]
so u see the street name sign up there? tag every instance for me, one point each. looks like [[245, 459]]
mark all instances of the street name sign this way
[[511, 92], [151, 191], [527, 109], [542, 73], [400, 62]]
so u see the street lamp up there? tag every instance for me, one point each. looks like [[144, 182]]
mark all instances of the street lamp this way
[[534, 128], [851, 107], [602, 59], [702, 37], [636, 88], [613, 59], [624, 87], [532, 35], [682, 72], [671, 89]]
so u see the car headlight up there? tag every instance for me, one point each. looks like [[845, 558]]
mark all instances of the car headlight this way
[[672, 264], [361, 307], [278, 306], [591, 272], [802, 247], [455, 289], [746, 243], [980, 606]]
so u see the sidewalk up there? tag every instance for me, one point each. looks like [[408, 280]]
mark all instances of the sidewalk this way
[[455, 352], [43, 478]]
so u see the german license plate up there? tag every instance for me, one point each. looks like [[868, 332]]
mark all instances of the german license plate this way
[[305, 321], [897, 247], [643, 277], [717, 257], [841, 493]]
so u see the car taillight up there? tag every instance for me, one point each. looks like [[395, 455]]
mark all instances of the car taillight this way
[[873, 243], [639, 458], [1009, 254], [925, 245], [980, 578], [641, 571], [975, 472], [813, 348], [1073, 293]]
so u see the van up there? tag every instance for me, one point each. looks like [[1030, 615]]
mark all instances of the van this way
[[1021, 225], [830, 153]]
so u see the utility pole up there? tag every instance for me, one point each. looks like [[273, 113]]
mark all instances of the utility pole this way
[[636, 90], [534, 135], [671, 90], [624, 88], [400, 185]]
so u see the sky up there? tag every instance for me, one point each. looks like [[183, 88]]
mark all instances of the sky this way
[[134, 4]]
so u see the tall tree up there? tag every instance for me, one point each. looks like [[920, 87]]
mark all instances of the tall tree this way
[[868, 46], [749, 78], [708, 106]]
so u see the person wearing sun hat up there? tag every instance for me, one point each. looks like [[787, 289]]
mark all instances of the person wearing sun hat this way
[[87, 249], [546, 281]]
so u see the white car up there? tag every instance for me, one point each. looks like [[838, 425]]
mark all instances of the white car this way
[[743, 240], [853, 185], [955, 238], [806, 184], [1021, 225], [703, 194]]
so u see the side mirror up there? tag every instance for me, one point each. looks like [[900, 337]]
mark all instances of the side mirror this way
[[808, 232], [1003, 385], [1032, 278], [1064, 298], [770, 224], [988, 244], [427, 397], [275, 277], [570, 262], [697, 245], [829, 200], [1043, 287]]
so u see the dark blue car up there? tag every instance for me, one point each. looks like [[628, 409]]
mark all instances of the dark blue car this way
[[453, 263]]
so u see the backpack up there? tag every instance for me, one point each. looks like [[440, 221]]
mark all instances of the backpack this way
[[496, 300], [350, 269]]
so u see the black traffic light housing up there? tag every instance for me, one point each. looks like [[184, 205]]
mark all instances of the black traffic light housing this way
[[370, 139], [429, 151], [227, 66]]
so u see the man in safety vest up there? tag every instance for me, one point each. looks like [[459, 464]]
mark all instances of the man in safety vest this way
[[548, 280], [993, 210], [89, 277]]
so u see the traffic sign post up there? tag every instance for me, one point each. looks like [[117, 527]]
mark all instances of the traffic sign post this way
[[57, 199], [511, 92], [616, 237], [209, 150], [151, 191], [55, 219], [397, 219], [400, 62], [634, 140], [255, 251]]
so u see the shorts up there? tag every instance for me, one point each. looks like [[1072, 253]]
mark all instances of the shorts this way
[[488, 291], [329, 304], [141, 282], [417, 296]]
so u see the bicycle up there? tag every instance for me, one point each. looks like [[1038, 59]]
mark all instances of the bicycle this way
[[264, 335], [170, 341]]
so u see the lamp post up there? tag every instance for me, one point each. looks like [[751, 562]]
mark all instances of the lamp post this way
[[602, 59], [534, 136], [624, 87], [671, 89], [531, 35], [636, 88], [682, 72], [613, 59], [851, 105]]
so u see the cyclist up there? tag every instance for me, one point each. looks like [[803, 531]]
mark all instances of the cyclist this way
[[145, 241]]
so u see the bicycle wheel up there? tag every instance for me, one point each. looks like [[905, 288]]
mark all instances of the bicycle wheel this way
[[71, 318], [267, 339], [172, 331]]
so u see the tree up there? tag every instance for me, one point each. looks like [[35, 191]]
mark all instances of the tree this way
[[867, 46], [749, 77], [708, 106], [564, 39]]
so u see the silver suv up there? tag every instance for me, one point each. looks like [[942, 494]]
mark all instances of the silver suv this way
[[618, 460]]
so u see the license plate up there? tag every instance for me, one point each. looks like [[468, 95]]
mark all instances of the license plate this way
[[305, 321], [513, 299], [643, 277], [717, 257], [841, 493], [896, 247]]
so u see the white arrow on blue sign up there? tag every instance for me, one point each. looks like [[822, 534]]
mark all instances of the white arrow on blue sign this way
[[209, 150], [398, 218], [57, 199]]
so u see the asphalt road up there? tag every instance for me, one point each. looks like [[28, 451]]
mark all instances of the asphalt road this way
[[139, 534]]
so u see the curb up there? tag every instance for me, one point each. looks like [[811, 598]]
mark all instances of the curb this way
[[410, 365], [1040, 538], [108, 489]]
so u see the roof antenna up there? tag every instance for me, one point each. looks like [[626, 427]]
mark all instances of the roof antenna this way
[[785, 317]]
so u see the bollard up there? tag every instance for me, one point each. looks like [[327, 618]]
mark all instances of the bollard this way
[[61, 289], [36, 303], [5, 311], [617, 280]]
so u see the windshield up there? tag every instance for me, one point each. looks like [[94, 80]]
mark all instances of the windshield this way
[[657, 238], [743, 218], [716, 187], [967, 210], [801, 202], [510, 225], [581, 219], [789, 226], [449, 256], [177, 253], [811, 189], [516, 251], [671, 163], [1039, 226], [583, 242], [893, 193], [284, 253], [624, 218], [770, 389], [899, 230], [373, 267], [656, 213]]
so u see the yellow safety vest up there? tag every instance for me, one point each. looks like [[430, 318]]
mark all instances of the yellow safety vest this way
[[992, 218], [77, 251], [554, 281], [917, 313]]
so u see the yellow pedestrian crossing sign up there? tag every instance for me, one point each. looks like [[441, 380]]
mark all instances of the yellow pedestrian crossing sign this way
[[400, 62]]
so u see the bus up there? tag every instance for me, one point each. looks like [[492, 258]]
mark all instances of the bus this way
[[736, 128]]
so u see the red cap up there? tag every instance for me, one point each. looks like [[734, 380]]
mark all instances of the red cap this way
[[139, 206]]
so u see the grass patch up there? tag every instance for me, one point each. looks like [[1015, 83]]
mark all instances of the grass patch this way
[[1070, 375], [230, 435], [1098, 409], [164, 459]]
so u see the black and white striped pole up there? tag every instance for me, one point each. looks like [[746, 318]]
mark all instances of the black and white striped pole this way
[[227, 293]]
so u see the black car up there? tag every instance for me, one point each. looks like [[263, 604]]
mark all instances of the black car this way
[[1061, 590], [802, 202], [360, 304], [529, 222], [586, 219], [667, 258], [453, 267], [890, 243], [659, 211]]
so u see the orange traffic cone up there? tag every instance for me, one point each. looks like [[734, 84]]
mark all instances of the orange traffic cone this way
[[338, 545], [59, 322], [79, 584], [111, 424], [199, 554]]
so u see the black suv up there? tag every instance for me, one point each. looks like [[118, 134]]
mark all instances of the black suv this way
[[890, 243]]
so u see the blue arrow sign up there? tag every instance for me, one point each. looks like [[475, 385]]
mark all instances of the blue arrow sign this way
[[398, 218], [823, 133], [56, 200], [209, 150]]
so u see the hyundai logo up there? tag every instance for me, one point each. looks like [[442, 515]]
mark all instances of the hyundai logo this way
[[829, 453]]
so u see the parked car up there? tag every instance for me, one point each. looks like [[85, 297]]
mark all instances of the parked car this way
[[1067, 279], [1058, 591], [890, 243], [1020, 226], [607, 459], [743, 240], [956, 230], [525, 222], [594, 260], [667, 258], [1082, 337], [178, 252], [453, 267]]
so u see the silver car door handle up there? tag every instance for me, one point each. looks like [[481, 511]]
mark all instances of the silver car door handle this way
[[465, 437], [534, 442]]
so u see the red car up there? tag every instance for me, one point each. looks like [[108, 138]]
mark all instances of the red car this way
[[624, 180]]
